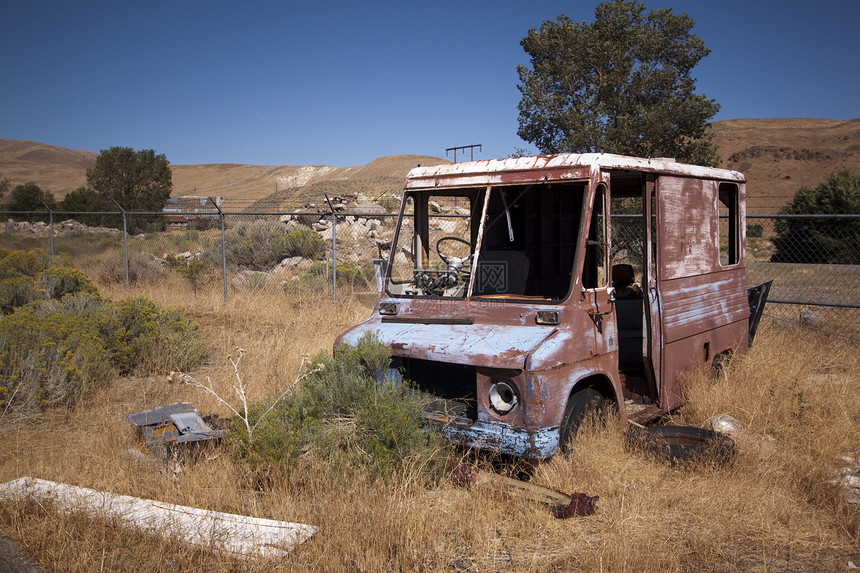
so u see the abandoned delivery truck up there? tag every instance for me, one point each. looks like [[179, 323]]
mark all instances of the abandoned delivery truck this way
[[522, 292]]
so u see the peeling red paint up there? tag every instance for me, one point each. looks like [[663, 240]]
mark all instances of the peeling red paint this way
[[540, 240]]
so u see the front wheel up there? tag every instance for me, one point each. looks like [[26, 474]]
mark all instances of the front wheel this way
[[579, 406]]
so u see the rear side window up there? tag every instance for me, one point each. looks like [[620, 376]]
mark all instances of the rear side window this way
[[730, 224]]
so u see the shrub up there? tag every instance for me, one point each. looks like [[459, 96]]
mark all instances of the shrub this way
[[53, 350], [340, 414], [390, 203], [153, 338], [24, 263], [305, 243], [823, 241], [193, 270], [755, 230], [16, 292], [142, 269], [348, 273], [60, 281], [260, 245]]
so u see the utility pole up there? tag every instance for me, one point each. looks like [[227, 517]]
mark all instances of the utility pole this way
[[471, 149]]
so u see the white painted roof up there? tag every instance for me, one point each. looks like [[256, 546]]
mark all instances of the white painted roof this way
[[604, 161]]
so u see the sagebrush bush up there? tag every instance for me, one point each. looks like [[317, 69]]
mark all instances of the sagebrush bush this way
[[193, 270], [57, 282], [340, 414], [152, 338], [260, 245], [53, 350], [305, 243], [18, 291], [319, 275], [23, 263], [390, 203], [143, 268]]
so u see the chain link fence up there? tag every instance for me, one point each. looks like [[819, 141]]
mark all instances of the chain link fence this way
[[813, 260]]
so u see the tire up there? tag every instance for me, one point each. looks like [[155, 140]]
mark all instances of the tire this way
[[581, 403], [683, 444]]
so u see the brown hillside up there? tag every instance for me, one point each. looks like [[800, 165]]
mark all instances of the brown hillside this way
[[778, 156], [270, 188], [55, 168]]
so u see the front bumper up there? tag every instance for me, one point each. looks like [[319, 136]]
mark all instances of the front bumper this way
[[499, 437]]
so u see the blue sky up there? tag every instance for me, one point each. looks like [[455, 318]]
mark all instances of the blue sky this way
[[341, 83]]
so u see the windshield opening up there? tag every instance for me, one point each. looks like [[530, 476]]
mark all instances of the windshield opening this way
[[435, 243], [530, 241], [527, 251]]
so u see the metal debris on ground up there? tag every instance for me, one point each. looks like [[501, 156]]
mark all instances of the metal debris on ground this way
[[726, 424], [167, 426], [240, 535], [560, 504]]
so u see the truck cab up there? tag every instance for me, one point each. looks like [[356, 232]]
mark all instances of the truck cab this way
[[522, 292]]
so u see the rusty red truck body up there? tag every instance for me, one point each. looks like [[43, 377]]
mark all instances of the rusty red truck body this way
[[521, 292]]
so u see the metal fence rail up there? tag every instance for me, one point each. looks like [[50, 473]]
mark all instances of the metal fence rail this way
[[813, 260]]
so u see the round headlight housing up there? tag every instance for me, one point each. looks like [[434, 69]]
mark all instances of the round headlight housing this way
[[503, 396]]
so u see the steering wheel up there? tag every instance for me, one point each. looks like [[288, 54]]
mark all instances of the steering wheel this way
[[458, 240]]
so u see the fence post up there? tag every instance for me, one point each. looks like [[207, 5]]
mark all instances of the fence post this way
[[124, 240], [223, 247], [51, 219], [333, 252]]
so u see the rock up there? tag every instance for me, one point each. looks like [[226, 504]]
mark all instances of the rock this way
[[308, 217], [434, 207], [447, 226], [367, 208], [298, 263]]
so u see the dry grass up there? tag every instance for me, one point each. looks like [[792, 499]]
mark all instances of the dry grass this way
[[772, 510]]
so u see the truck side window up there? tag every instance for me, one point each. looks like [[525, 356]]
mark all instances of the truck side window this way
[[730, 238], [594, 270]]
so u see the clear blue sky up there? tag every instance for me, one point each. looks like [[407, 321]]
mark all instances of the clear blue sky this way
[[341, 83]]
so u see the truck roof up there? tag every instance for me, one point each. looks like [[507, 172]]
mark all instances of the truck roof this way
[[554, 166]]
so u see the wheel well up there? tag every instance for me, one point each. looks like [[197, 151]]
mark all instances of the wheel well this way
[[600, 383]]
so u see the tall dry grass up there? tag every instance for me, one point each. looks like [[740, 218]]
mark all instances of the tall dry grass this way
[[772, 510]]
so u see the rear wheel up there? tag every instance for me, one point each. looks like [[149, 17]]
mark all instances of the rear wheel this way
[[579, 406]]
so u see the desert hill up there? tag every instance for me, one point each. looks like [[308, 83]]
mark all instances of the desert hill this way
[[56, 168], [778, 156]]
